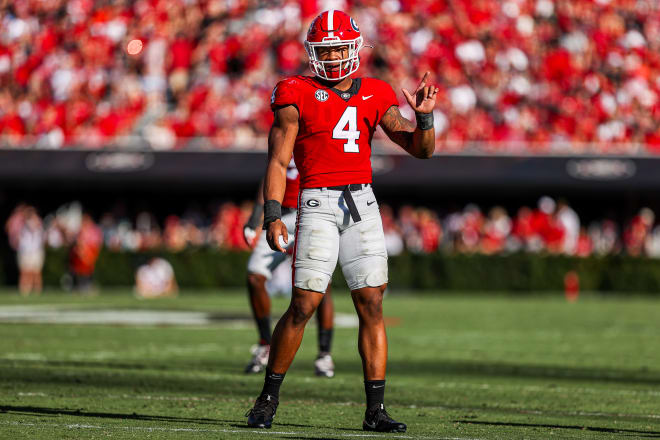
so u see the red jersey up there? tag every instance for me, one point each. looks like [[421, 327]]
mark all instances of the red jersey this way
[[292, 186], [333, 146]]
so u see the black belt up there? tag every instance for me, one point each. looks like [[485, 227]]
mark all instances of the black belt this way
[[350, 203], [351, 187]]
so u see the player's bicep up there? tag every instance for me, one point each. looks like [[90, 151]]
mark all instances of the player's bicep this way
[[399, 129], [283, 134]]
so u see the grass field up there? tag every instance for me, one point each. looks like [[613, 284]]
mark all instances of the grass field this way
[[461, 367]]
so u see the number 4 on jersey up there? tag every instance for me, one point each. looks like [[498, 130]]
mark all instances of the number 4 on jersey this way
[[349, 118]]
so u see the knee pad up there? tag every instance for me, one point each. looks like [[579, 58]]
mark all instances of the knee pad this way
[[311, 280], [376, 278], [367, 272]]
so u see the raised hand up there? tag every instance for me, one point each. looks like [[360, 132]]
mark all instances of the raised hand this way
[[422, 100]]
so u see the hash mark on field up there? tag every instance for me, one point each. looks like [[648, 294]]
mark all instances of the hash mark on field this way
[[228, 431]]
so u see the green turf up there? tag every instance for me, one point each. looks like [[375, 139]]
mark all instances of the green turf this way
[[464, 367]]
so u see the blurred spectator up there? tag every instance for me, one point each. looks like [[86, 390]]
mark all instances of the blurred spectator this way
[[84, 253], [531, 76], [408, 220], [522, 231], [15, 224], [430, 230], [605, 237], [638, 232], [584, 246], [227, 228], [26, 235], [156, 279], [569, 222], [393, 240], [495, 231], [546, 227], [471, 226]]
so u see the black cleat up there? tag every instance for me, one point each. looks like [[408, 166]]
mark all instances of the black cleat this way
[[261, 415], [377, 419]]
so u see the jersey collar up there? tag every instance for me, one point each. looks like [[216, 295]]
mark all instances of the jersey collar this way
[[352, 91]]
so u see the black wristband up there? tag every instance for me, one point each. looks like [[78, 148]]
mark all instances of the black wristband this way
[[424, 120], [272, 212], [255, 217]]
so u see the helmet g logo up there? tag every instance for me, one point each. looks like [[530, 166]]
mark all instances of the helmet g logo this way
[[321, 95], [354, 25]]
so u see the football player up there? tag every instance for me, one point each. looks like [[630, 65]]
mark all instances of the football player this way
[[261, 265], [327, 121]]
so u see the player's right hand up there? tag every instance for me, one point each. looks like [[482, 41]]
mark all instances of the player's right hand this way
[[422, 100], [250, 236], [276, 229]]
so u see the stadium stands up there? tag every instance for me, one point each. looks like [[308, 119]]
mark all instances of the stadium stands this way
[[516, 76]]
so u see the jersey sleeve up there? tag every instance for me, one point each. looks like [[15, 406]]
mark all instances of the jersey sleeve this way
[[387, 98], [285, 93]]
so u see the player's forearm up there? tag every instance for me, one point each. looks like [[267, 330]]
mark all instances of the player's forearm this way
[[274, 186], [417, 139], [281, 139], [423, 143], [275, 181], [417, 142]]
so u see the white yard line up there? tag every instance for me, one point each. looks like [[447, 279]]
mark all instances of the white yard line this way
[[229, 431]]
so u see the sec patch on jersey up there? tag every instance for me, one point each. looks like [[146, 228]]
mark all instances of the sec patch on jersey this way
[[321, 95]]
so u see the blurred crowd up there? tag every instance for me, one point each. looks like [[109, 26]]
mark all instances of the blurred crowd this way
[[567, 76], [550, 227], [70, 227]]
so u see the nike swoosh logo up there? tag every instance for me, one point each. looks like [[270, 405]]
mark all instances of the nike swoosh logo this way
[[370, 425], [369, 204], [374, 386], [364, 98]]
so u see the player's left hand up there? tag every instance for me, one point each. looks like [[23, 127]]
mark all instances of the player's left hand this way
[[422, 100]]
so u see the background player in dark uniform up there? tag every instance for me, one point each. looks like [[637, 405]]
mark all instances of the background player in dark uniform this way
[[327, 122], [261, 265]]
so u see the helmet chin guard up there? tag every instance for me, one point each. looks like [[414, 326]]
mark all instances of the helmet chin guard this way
[[334, 29]]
